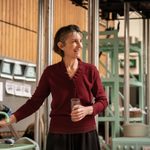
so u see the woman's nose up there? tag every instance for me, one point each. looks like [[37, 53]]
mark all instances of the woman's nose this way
[[80, 44]]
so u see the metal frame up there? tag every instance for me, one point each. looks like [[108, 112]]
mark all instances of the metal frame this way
[[112, 81]]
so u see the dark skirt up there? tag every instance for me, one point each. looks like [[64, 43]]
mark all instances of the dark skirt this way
[[81, 141]]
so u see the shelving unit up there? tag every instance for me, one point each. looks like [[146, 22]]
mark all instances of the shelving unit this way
[[112, 46]]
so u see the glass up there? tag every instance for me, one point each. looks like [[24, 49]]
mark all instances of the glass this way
[[74, 101]]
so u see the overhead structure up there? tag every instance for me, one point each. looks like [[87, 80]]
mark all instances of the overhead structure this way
[[116, 7]]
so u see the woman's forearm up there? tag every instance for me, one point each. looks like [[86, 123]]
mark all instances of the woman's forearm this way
[[12, 119]]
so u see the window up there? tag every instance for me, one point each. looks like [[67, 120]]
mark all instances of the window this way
[[30, 73], [18, 71], [6, 69]]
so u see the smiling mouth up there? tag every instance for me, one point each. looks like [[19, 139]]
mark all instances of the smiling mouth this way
[[76, 51]]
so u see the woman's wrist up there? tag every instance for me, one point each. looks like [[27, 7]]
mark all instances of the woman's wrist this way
[[89, 110], [12, 119]]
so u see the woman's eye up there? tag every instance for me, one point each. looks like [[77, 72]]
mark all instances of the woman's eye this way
[[76, 41]]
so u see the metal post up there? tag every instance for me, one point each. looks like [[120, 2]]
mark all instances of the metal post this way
[[89, 30], [144, 57], [49, 48], [93, 31], [50, 31], [148, 71], [39, 66], [126, 62]]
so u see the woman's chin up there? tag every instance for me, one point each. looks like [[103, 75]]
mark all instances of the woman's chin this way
[[77, 55]]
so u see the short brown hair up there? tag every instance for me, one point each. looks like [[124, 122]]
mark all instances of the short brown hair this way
[[61, 35]]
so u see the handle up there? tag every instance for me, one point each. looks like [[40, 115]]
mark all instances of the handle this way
[[6, 115]]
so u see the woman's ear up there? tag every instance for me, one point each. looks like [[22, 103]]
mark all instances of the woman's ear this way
[[60, 45]]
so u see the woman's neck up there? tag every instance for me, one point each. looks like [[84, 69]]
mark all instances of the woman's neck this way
[[71, 64]]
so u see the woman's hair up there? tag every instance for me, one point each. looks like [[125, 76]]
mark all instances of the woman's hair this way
[[60, 36]]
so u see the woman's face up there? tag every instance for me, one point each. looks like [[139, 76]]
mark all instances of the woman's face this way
[[72, 45]]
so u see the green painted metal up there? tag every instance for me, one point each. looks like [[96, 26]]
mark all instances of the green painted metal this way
[[131, 143], [17, 146], [113, 46]]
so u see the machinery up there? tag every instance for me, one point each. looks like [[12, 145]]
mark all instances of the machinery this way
[[15, 143]]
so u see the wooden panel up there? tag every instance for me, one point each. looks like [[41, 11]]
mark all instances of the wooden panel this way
[[67, 13], [18, 22]]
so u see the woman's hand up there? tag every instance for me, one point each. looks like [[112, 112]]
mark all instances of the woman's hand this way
[[79, 112], [4, 123]]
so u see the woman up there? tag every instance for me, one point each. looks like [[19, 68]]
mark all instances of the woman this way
[[70, 128]]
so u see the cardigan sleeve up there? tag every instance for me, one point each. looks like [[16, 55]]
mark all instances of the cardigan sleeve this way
[[32, 104], [99, 94]]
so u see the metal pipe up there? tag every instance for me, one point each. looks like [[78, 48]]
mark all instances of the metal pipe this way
[[144, 57], [39, 65], [93, 31], [89, 30], [50, 31], [49, 48], [49, 54], [126, 69], [13, 131], [148, 71]]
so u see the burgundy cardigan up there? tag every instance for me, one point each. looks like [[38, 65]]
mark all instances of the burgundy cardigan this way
[[85, 84]]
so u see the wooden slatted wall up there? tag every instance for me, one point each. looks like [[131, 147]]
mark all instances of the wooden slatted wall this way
[[18, 29], [19, 22]]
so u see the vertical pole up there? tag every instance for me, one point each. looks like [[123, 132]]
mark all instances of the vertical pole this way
[[148, 71], [49, 48], [144, 57], [126, 62], [50, 31], [89, 31], [93, 33], [39, 66]]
